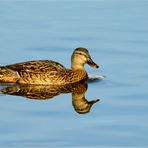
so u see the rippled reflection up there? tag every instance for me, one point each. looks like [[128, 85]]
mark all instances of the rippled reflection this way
[[42, 92]]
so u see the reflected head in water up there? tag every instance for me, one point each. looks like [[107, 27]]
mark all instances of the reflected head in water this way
[[43, 92], [81, 105]]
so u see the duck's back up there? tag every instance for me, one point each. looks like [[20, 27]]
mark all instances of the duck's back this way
[[31, 72]]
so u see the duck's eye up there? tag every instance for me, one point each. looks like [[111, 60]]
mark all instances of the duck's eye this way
[[81, 53]]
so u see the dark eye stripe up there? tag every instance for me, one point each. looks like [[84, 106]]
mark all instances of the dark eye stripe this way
[[81, 53]]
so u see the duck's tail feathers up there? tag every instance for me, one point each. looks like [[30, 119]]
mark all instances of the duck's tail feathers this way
[[7, 75]]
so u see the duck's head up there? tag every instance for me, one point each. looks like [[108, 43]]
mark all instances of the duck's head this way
[[80, 57]]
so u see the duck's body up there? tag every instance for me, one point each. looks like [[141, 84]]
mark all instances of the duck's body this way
[[41, 72], [47, 72]]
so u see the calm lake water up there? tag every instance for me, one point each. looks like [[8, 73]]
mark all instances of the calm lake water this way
[[116, 34]]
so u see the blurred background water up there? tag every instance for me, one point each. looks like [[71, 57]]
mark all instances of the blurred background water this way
[[116, 34]]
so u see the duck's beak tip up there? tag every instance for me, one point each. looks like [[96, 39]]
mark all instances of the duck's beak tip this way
[[91, 63], [97, 66]]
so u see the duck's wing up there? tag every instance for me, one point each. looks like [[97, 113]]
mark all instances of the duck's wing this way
[[38, 66]]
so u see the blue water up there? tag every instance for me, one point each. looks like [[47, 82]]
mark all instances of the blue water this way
[[116, 34]]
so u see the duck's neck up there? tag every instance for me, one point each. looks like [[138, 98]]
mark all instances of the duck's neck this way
[[77, 66], [78, 72]]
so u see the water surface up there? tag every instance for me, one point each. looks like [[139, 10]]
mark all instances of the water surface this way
[[116, 34]]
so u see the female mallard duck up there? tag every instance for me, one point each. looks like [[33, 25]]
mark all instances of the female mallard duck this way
[[48, 72]]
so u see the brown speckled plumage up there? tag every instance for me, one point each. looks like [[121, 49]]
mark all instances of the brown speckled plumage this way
[[48, 72]]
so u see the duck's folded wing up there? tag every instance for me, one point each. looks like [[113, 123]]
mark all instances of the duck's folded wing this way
[[39, 66]]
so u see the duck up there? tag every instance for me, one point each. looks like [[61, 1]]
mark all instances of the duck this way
[[48, 72]]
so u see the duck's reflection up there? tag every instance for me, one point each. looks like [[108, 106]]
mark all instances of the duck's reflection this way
[[42, 92]]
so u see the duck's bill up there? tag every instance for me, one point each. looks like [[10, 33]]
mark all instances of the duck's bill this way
[[94, 101], [91, 63]]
